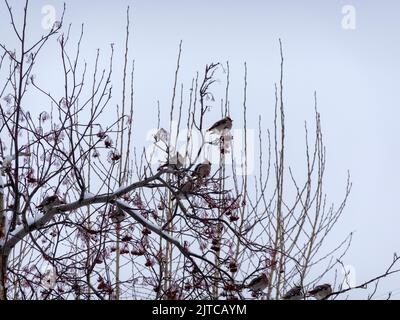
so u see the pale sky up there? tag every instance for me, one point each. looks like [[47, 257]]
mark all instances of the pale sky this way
[[356, 74]]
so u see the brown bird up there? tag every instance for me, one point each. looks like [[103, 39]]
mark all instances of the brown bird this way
[[296, 293], [259, 283], [116, 215], [185, 190], [175, 163], [321, 292], [202, 170], [220, 126], [49, 202]]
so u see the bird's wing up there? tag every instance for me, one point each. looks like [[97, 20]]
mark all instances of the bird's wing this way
[[49, 200], [186, 187], [288, 294], [317, 289], [43, 203], [217, 124], [254, 281], [196, 169], [293, 292]]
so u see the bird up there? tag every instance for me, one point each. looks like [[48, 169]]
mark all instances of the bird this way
[[202, 170], [174, 163], [185, 189], [49, 202], [321, 292], [7, 161], [117, 215], [259, 283], [220, 126], [296, 293], [5, 164]]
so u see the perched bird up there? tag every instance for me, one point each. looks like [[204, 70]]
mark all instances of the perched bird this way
[[259, 283], [7, 161], [5, 164], [296, 293], [321, 292], [202, 170], [117, 215], [185, 189], [175, 163], [49, 202], [220, 126]]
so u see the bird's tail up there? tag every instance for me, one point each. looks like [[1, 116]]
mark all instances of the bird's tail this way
[[212, 130]]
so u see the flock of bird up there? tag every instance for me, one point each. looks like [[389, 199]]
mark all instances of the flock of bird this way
[[200, 172], [320, 292]]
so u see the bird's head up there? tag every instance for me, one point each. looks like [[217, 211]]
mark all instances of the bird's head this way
[[325, 286]]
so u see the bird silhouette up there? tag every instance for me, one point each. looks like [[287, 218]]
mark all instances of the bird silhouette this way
[[185, 189], [259, 283], [202, 170], [220, 126], [321, 292], [49, 202], [296, 293]]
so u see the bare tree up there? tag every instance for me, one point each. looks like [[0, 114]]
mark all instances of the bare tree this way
[[84, 215]]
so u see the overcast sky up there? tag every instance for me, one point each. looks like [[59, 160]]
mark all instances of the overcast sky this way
[[354, 71]]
